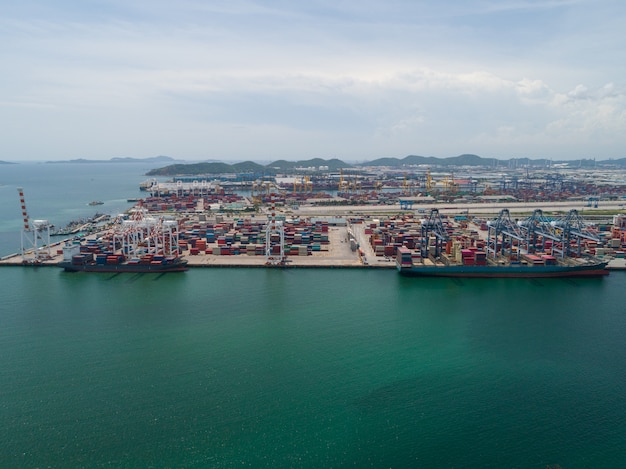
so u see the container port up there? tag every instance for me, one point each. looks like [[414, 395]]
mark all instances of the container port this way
[[359, 219], [370, 240]]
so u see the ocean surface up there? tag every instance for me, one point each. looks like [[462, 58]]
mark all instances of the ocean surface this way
[[221, 368], [61, 192]]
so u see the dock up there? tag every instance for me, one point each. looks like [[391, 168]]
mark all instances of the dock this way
[[347, 240], [338, 255]]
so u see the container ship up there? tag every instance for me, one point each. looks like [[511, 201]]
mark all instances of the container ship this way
[[530, 266], [532, 248], [88, 261], [138, 244]]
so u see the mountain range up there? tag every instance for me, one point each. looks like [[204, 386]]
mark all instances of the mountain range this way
[[154, 159], [411, 160]]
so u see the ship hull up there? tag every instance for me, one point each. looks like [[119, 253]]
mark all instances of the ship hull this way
[[463, 271], [125, 267]]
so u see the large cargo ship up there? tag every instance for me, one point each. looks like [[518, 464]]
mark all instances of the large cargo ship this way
[[534, 248], [522, 269], [138, 244], [78, 259], [146, 265]]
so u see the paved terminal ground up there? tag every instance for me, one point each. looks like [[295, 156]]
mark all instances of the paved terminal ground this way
[[456, 208], [339, 255]]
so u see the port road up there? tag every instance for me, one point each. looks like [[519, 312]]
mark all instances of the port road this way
[[486, 208]]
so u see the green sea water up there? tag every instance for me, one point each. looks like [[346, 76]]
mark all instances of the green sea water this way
[[222, 368]]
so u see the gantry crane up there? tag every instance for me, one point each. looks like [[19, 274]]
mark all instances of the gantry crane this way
[[573, 231], [432, 229], [503, 234], [141, 235], [274, 238], [537, 229]]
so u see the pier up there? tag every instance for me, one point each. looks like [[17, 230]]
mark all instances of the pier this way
[[348, 239]]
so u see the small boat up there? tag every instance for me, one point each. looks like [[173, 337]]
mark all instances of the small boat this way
[[96, 202]]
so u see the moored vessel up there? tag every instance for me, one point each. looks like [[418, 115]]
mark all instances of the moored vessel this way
[[499, 269], [533, 248], [137, 244], [118, 263]]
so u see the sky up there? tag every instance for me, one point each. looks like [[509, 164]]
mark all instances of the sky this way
[[238, 80]]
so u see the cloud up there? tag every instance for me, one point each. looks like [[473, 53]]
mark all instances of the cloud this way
[[515, 5], [392, 77]]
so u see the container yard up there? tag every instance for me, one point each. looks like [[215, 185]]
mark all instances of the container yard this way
[[292, 222], [370, 241]]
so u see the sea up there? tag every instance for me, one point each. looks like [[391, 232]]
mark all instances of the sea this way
[[295, 368]]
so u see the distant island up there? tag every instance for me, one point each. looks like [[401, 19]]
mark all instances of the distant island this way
[[154, 159], [467, 160], [6, 162]]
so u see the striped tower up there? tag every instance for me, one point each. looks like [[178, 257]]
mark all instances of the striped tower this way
[[24, 212], [32, 233]]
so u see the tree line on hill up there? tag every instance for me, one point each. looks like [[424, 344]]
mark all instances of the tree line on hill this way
[[335, 164]]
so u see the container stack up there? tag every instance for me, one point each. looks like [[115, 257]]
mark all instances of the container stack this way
[[480, 258], [467, 257]]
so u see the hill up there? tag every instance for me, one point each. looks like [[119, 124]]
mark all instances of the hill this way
[[477, 161], [245, 167], [250, 167], [414, 160], [207, 168], [333, 164], [154, 159]]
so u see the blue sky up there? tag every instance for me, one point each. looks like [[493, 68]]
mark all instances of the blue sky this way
[[267, 80]]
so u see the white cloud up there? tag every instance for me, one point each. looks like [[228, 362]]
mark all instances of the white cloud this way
[[384, 78], [506, 5]]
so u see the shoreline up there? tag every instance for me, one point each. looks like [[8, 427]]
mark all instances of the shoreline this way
[[338, 253], [613, 265]]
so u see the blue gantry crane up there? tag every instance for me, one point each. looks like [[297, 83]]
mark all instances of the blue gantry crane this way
[[502, 235], [537, 229], [573, 231], [530, 235], [432, 229]]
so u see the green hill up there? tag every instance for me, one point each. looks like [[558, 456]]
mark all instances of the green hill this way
[[245, 167], [414, 160], [207, 168]]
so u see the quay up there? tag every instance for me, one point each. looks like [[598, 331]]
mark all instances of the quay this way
[[349, 242], [338, 255]]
